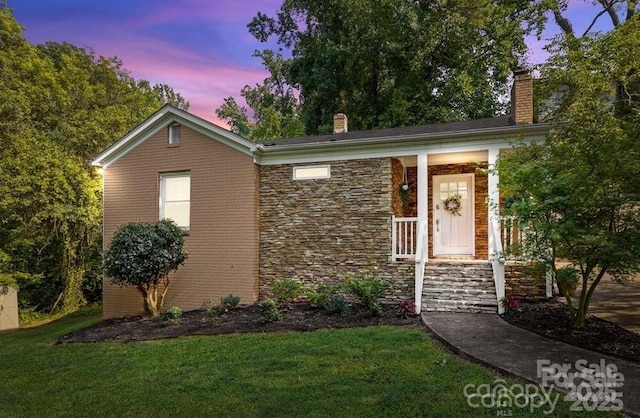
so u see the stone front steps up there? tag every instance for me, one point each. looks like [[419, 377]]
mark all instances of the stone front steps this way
[[459, 286]]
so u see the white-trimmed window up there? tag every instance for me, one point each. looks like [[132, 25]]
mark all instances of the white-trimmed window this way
[[174, 134], [175, 198], [312, 172]]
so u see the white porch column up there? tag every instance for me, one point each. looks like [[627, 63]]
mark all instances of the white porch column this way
[[423, 187], [494, 228], [422, 253], [494, 193]]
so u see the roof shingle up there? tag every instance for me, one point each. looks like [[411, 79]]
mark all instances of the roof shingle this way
[[486, 123]]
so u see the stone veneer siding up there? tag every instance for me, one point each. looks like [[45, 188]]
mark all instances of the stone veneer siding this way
[[324, 230], [525, 280], [481, 209]]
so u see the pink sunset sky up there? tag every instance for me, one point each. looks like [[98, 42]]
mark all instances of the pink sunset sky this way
[[201, 48]]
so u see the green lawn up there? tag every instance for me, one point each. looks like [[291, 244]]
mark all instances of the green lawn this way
[[379, 371]]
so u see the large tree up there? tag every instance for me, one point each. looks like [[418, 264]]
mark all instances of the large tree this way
[[578, 193], [390, 63], [59, 106], [273, 108]]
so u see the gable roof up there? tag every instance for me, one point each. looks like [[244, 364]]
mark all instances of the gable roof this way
[[438, 137], [159, 120]]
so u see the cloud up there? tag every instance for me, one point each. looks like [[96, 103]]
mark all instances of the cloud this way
[[201, 49], [204, 80]]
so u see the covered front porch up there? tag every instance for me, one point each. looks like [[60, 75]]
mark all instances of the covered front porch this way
[[447, 220]]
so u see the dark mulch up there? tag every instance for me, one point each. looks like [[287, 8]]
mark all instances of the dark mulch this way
[[299, 317], [550, 318]]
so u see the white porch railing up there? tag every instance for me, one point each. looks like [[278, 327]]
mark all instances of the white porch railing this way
[[404, 238], [497, 261], [409, 241], [511, 231], [512, 235]]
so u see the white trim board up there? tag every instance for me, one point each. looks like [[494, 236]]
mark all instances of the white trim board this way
[[160, 120]]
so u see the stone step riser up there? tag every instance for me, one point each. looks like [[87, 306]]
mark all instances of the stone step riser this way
[[461, 308], [460, 302], [457, 307], [448, 306], [457, 283], [431, 288], [460, 296], [459, 288], [470, 274], [453, 279]]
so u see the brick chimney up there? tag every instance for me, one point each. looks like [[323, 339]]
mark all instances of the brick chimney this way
[[522, 98], [340, 123]]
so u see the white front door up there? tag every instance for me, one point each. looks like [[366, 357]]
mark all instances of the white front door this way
[[453, 228]]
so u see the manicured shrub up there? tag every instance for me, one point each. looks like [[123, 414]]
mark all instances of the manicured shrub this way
[[319, 297], [337, 304], [327, 297], [173, 315], [143, 255], [367, 290], [286, 290], [228, 303], [269, 311]]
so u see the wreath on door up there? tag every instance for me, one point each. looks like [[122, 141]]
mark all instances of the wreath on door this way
[[453, 204]]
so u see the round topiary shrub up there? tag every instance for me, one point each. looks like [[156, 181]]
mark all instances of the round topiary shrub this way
[[143, 255]]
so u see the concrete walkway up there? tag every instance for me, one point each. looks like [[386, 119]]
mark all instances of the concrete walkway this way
[[488, 339]]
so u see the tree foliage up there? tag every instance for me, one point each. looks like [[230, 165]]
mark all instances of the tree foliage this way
[[59, 106], [273, 108], [579, 191], [387, 63], [143, 255], [393, 63]]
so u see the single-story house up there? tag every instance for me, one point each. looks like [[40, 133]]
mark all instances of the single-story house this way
[[412, 205]]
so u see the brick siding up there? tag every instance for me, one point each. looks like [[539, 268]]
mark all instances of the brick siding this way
[[223, 241]]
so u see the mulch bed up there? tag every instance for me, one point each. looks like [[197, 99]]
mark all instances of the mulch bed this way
[[550, 318], [299, 317]]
